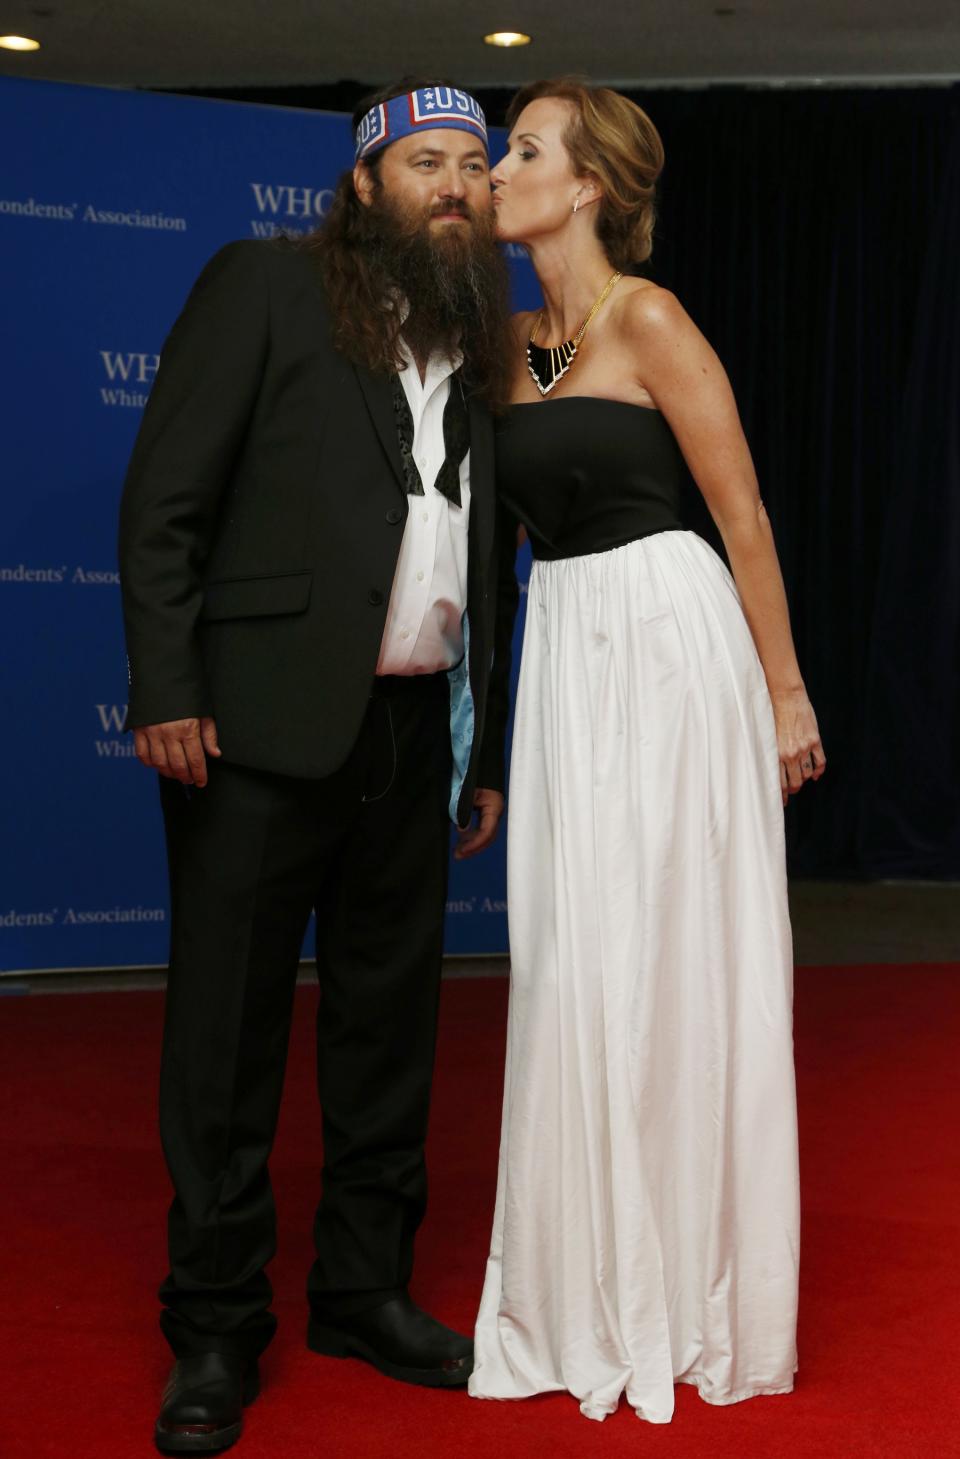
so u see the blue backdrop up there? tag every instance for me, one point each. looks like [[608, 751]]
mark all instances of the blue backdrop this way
[[109, 205]]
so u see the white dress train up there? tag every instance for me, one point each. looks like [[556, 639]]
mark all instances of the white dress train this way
[[646, 1229]]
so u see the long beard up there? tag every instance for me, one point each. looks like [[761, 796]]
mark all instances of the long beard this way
[[452, 277]]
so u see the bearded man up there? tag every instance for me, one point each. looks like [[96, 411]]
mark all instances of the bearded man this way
[[308, 560]]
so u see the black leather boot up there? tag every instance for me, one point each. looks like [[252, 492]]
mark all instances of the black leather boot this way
[[400, 1340], [203, 1402]]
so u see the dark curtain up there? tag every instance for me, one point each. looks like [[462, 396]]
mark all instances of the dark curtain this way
[[815, 238]]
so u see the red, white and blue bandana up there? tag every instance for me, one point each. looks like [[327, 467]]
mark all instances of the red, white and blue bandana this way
[[404, 116]]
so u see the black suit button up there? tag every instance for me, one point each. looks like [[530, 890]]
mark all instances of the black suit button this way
[[394, 516], [375, 597]]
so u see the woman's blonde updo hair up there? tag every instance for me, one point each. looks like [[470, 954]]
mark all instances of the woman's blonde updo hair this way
[[616, 141]]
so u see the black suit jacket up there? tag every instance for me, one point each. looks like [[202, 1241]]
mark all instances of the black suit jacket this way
[[260, 528]]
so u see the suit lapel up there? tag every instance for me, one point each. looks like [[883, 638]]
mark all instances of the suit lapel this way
[[378, 395], [481, 485]]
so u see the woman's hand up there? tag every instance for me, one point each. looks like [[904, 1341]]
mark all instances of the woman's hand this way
[[798, 741]]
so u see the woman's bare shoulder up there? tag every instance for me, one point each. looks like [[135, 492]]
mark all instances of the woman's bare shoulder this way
[[647, 308]]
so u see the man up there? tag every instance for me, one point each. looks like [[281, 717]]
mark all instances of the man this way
[[307, 556]]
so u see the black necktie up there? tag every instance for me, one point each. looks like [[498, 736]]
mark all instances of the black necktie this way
[[456, 440]]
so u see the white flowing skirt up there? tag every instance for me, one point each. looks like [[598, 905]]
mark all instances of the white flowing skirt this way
[[646, 1229]]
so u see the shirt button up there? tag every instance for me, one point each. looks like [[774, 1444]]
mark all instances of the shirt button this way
[[419, 577], [405, 633], [426, 516], [394, 516], [375, 597]]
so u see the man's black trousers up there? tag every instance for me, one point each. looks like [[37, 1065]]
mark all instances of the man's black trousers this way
[[250, 855]]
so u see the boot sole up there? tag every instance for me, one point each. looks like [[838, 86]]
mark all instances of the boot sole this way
[[213, 1442], [330, 1342]]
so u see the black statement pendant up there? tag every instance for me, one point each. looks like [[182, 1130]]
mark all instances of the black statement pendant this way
[[548, 366]]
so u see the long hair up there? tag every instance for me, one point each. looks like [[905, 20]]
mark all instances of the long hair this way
[[362, 291]]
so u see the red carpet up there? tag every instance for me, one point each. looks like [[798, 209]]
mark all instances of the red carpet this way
[[82, 1361]]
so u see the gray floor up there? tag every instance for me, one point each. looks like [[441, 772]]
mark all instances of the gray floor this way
[[833, 923], [875, 922]]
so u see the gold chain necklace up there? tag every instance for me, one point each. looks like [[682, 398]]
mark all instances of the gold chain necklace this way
[[558, 359]]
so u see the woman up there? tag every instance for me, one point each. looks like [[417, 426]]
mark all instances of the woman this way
[[646, 1226]]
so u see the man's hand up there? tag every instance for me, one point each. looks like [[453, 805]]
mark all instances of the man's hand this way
[[177, 747], [489, 807]]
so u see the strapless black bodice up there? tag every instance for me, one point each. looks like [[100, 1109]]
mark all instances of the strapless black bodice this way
[[584, 474]]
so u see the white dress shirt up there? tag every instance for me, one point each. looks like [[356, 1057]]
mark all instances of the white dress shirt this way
[[423, 633]]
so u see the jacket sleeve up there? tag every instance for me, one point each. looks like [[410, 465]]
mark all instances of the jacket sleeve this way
[[491, 772], [190, 437]]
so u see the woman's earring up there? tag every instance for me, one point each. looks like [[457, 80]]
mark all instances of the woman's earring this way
[[576, 203]]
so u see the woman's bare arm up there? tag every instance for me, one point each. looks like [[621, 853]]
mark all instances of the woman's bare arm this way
[[684, 377]]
